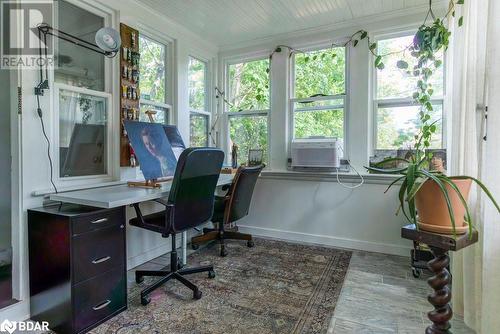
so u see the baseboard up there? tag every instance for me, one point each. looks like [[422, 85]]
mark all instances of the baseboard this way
[[323, 240], [148, 255]]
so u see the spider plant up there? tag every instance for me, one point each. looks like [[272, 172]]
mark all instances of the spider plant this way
[[415, 174]]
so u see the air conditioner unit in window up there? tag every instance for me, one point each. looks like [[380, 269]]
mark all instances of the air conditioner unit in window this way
[[316, 152]]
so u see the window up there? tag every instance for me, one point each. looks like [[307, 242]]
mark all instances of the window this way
[[77, 66], [153, 79], [82, 102], [248, 87], [198, 102], [396, 115], [319, 94]]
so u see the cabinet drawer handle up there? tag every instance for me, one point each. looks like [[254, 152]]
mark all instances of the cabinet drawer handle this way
[[98, 221], [101, 260], [101, 305]]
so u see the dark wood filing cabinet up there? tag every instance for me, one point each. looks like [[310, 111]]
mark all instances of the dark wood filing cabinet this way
[[77, 266]]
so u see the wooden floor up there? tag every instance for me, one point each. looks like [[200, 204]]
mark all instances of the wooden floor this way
[[380, 295]]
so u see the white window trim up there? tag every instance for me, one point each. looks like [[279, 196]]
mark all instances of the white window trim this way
[[168, 81], [111, 89], [345, 96], [208, 102], [110, 119], [227, 115], [403, 102]]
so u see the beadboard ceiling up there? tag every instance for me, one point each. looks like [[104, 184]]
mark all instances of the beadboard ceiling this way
[[226, 22]]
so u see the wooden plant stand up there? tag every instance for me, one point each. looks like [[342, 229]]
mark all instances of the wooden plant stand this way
[[439, 245]]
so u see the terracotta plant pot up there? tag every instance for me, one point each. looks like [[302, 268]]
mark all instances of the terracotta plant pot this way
[[432, 209]]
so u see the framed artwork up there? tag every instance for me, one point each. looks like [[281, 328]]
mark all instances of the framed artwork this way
[[437, 159], [152, 148], [255, 157]]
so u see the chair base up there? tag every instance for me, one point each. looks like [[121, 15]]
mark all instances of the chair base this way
[[176, 273], [210, 234]]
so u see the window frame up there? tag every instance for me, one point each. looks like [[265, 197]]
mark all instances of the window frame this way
[[110, 92], [205, 113], [402, 102], [346, 97], [227, 114], [167, 103]]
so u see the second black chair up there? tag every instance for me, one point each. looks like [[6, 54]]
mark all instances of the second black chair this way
[[190, 203], [230, 208]]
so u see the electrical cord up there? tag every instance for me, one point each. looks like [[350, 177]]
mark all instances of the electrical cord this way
[[39, 111], [359, 175]]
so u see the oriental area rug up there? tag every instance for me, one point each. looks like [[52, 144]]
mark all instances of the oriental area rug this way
[[274, 287]]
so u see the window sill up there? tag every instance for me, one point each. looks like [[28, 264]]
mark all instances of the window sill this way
[[345, 177], [49, 191]]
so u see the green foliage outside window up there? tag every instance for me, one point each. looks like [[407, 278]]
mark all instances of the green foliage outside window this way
[[199, 130], [197, 89], [152, 70], [397, 126], [249, 85], [248, 132], [320, 72]]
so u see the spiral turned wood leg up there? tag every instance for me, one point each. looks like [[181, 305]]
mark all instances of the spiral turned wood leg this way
[[441, 296]]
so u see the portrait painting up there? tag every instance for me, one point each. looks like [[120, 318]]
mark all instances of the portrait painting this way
[[152, 149]]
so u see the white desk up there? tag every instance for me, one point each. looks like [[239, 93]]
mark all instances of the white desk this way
[[122, 195]]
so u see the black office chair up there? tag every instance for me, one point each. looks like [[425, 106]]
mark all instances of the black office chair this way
[[230, 208], [190, 203]]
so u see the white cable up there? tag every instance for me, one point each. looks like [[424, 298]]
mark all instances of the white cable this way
[[360, 176]]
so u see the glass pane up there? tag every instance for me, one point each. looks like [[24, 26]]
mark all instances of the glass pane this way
[[393, 82], [249, 85], [152, 70], [5, 193], [320, 72], [161, 114], [78, 66], [319, 123], [82, 134], [197, 85], [199, 130], [248, 132], [397, 126]]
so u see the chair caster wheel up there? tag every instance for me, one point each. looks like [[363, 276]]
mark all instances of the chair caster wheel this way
[[139, 279], [211, 274], [250, 243], [195, 246], [197, 294], [416, 272], [145, 300], [223, 252]]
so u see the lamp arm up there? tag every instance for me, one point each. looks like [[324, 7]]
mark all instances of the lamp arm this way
[[48, 30]]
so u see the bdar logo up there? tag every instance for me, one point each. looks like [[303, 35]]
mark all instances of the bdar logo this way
[[8, 326]]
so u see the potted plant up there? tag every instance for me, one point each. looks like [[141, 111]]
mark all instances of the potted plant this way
[[439, 200]]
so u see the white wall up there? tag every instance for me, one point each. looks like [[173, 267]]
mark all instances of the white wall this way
[[141, 245], [323, 212]]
